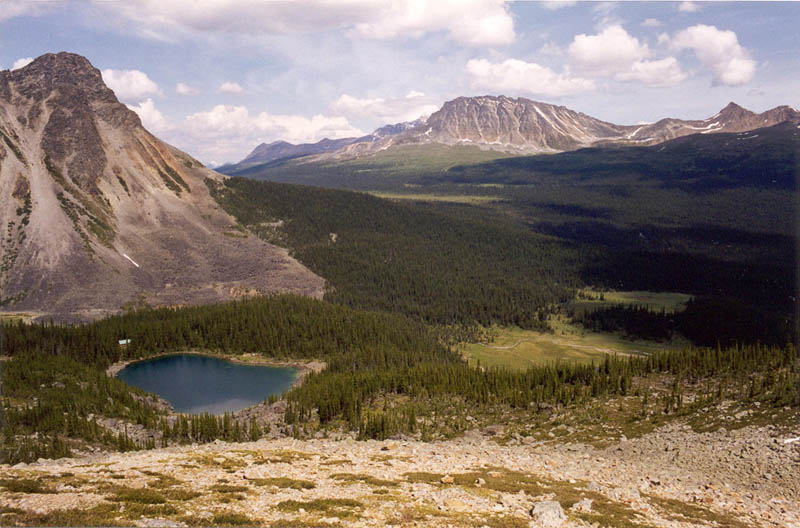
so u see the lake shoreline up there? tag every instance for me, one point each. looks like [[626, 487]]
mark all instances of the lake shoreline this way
[[304, 368]]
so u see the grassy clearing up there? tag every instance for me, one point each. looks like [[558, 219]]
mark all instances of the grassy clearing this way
[[101, 515], [341, 508], [590, 299], [25, 486], [422, 158], [284, 483], [138, 495], [284, 456], [682, 512], [363, 479], [233, 519], [25, 317], [520, 349], [450, 198], [302, 524], [226, 488]]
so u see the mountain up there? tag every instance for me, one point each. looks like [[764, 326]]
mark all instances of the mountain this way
[[283, 150], [96, 212], [529, 127], [763, 158], [522, 126]]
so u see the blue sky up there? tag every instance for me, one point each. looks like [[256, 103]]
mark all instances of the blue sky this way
[[217, 77]]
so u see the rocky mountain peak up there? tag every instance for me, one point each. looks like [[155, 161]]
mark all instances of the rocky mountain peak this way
[[98, 211], [735, 112], [74, 82]]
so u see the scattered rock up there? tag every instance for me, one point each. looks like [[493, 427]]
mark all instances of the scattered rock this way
[[582, 506], [447, 479], [547, 514], [593, 486]]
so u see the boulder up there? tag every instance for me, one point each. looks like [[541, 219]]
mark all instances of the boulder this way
[[582, 506], [547, 514]]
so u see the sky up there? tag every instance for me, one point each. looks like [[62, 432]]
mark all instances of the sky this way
[[216, 78]]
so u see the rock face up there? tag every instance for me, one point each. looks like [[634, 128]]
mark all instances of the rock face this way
[[548, 514], [96, 212], [523, 126], [505, 123]]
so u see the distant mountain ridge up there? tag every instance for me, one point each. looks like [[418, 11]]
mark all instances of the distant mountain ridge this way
[[523, 126], [96, 212], [282, 150]]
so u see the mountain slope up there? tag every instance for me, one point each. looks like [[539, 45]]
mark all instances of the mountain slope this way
[[283, 150], [522, 126], [280, 151], [762, 158], [529, 127], [96, 212]]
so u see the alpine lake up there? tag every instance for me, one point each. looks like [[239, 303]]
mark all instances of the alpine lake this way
[[194, 383]]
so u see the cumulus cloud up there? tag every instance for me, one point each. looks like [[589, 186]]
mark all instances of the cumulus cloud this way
[[516, 76], [689, 7], [615, 53], [651, 22], [611, 51], [473, 22], [185, 89], [152, 119], [130, 85], [230, 88], [386, 110], [228, 133], [720, 51], [664, 72], [21, 63]]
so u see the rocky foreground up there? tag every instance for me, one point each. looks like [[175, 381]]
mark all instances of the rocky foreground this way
[[670, 477]]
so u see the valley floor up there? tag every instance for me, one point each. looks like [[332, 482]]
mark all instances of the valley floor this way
[[672, 476]]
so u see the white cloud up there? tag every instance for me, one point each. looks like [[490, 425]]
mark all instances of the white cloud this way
[[386, 110], [557, 4], [551, 49], [720, 51], [152, 119], [185, 89], [229, 132], [516, 76], [230, 88], [611, 51], [651, 22], [664, 72], [615, 53], [689, 7], [21, 63], [473, 22], [130, 85]]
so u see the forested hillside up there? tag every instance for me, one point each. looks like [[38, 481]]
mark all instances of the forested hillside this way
[[708, 215], [54, 384], [438, 264]]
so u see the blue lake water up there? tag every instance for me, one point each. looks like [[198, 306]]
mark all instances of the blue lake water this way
[[197, 384]]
